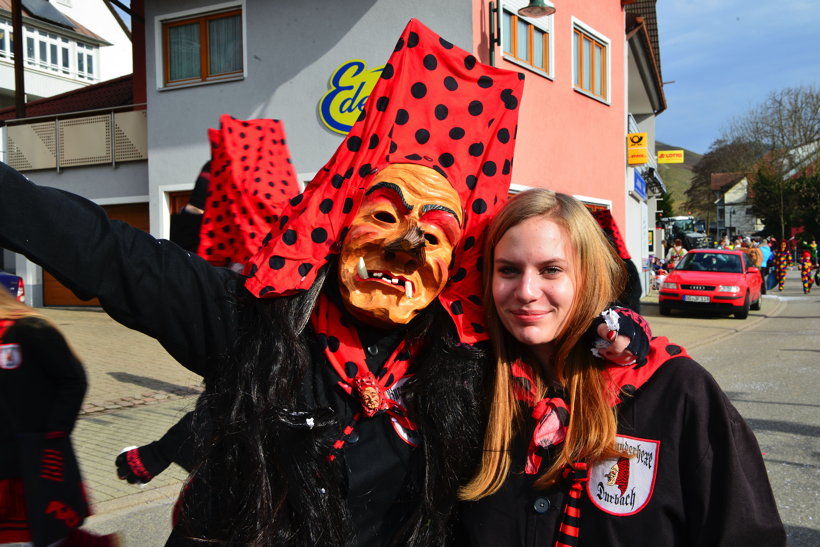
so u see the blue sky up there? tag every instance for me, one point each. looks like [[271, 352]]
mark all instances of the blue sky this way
[[726, 56]]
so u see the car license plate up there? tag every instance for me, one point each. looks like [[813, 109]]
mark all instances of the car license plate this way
[[695, 298]]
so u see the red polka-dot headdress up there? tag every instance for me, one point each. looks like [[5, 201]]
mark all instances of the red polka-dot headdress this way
[[607, 224], [434, 105], [252, 178]]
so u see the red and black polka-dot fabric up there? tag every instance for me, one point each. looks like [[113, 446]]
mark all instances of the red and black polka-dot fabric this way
[[252, 178], [434, 105], [607, 224]]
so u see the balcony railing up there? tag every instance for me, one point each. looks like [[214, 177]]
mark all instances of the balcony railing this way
[[93, 137]]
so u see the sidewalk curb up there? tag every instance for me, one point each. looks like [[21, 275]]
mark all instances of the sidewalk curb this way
[[163, 494]]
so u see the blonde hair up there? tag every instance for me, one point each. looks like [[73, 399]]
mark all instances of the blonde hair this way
[[11, 309], [599, 278]]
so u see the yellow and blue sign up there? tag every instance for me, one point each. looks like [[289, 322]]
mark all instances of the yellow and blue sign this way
[[350, 86]]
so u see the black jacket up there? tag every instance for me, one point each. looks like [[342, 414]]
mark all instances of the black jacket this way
[[698, 478]]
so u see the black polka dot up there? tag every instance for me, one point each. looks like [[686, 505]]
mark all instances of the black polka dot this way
[[318, 235], [374, 142], [393, 147], [441, 112], [468, 243], [418, 90], [289, 237], [445, 44], [387, 71], [479, 206], [333, 344], [471, 181], [475, 108], [412, 40], [349, 172], [485, 82], [266, 239], [504, 135], [354, 143], [673, 349], [459, 275], [422, 136], [365, 170], [348, 205], [456, 133], [440, 171], [474, 299], [402, 117], [469, 62], [456, 308], [399, 44], [478, 328], [413, 157], [430, 62], [476, 149], [337, 180], [390, 380], [297, 200], [510, 100], [450, 83], [489, 168], [265, 290], [446, 159], [283, 221], [304, 268], [381, 104], [628, 389], [253, 270], [276, 262], [520, 75], [505, 170], [326, 205], [351, 369]]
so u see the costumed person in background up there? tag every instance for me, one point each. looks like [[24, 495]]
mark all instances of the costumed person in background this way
[[186, 223], [766, 256], [675, 253], [585, 451], [631, 295], [781, 260], [42, 385], [255, 180], [343, 371], [806, 267]]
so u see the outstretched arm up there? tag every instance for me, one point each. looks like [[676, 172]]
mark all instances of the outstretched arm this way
[[147, 284]]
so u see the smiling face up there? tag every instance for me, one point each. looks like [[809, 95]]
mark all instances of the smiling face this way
[[395, 258], [533, 283]]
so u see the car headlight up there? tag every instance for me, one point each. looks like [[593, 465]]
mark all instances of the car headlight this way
[[728, 288], [666, 285]]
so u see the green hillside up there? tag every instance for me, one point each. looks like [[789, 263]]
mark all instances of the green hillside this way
[[677, 176]]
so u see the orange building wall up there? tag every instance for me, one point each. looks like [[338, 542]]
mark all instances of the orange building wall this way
[[568, 141]]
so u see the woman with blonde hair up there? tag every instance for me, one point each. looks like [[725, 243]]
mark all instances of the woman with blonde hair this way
[[42, 385], [585, 451]]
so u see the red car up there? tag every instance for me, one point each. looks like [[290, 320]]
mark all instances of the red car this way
[[715, 280]]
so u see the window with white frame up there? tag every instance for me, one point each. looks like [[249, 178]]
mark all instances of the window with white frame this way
[[203, 48], [46, 51], [590, 60], [524, 41]]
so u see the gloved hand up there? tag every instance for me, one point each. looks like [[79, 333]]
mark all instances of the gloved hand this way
[[138, 465], [620, 336]]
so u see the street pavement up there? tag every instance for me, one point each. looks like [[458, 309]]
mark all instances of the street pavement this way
[[136, 392]]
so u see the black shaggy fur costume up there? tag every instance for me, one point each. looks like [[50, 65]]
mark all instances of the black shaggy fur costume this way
[[264, 478]]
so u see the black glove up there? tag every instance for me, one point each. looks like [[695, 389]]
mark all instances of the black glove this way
[[139, 465], [621, 322]]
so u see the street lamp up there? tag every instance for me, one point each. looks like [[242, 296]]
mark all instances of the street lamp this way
[[537, 8]]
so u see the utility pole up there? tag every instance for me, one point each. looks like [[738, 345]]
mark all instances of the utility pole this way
[[19, 65]]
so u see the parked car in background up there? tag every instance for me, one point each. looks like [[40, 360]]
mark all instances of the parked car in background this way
[[712, 279], [14, 285]]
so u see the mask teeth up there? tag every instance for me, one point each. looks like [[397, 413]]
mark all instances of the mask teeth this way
[[408, 289], [361, 269]]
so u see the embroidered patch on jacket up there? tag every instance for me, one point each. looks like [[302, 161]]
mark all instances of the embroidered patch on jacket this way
[[624, 486], [11, 356], [407, 435]]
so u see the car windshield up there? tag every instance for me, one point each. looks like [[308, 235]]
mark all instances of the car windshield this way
[[684, 226], [710, 262]]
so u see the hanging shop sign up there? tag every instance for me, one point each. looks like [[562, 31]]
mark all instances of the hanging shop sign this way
[[670, 156], [637, 150], [348, 89]]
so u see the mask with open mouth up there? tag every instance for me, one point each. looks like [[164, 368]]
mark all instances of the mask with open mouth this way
[[395, 258]]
